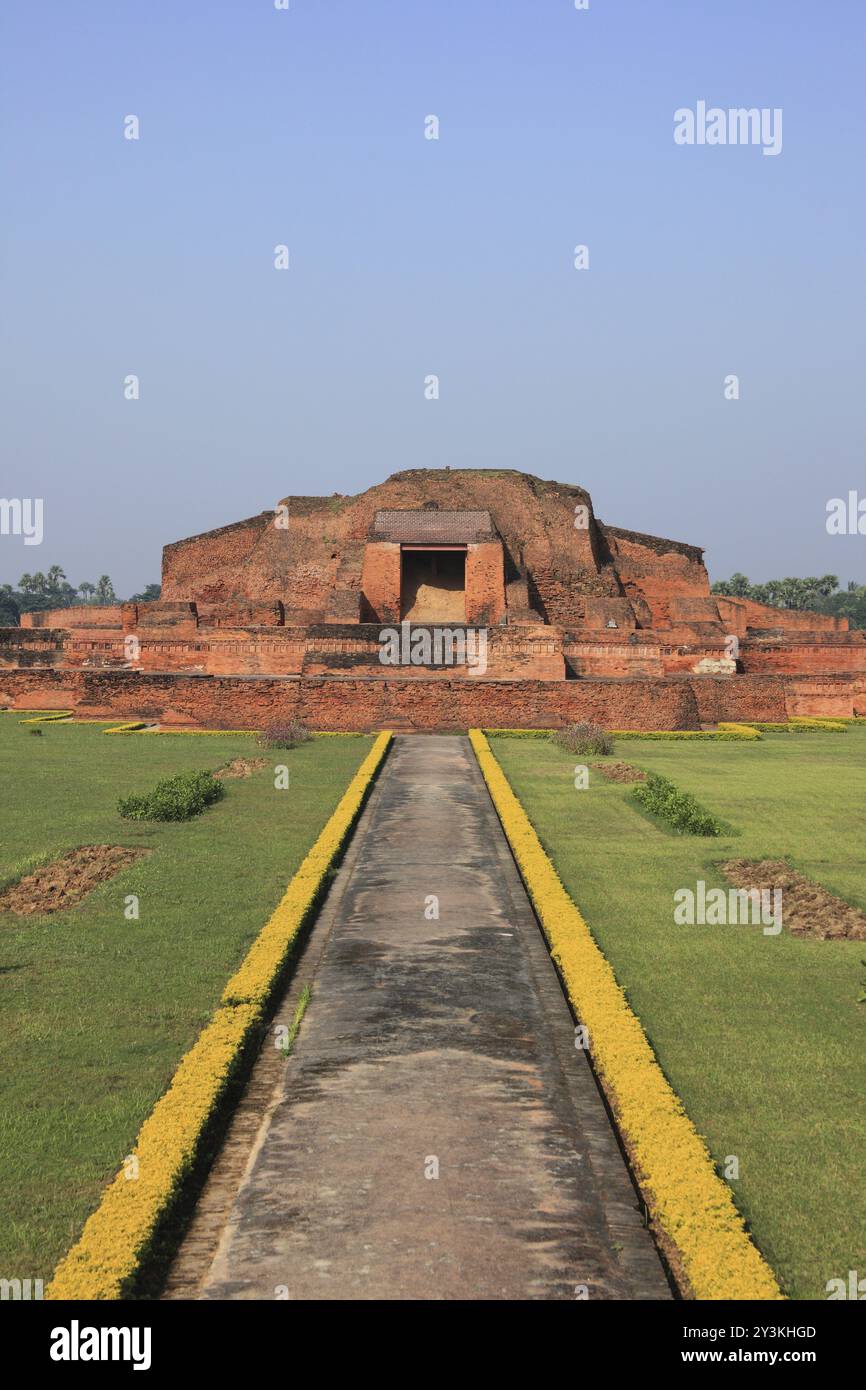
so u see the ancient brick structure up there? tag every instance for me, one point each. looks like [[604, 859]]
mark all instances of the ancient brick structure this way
[[439, 598]]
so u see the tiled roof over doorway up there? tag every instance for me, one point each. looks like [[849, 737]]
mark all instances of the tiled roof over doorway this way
[[429, 526]]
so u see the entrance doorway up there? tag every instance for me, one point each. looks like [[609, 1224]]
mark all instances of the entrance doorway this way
[[433, 584]]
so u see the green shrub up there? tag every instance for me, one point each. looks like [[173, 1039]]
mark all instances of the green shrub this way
[[173, 798], [680, 809], [586, 739]]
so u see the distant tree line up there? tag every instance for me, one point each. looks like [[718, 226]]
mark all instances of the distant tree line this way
[[819, 595], [36, 592]]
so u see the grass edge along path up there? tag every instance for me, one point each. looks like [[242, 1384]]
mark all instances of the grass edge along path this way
[[691, 1206], [117, 1236]]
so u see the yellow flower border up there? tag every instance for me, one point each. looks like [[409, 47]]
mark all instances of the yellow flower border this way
[[47, 717], [20, 709], [724, 733], [690, 1204], [140, 728], [117, 1236], [795, 725]]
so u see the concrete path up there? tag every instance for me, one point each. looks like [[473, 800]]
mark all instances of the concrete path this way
[[435, 1135]]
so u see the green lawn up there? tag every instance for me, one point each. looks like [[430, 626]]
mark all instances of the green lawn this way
[[761, 1036], [95, 1010]]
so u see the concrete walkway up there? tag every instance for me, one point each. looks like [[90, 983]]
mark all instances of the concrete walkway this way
[[433, 1047]]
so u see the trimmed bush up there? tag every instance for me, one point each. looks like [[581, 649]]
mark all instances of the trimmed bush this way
[[729, 733], [524, 733], [287, 735], [680, 809], [174, 798], [586, 739], [803, 726]]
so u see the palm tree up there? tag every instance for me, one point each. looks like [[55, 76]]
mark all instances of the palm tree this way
[[740, 586], [87, 590], [105, 590]]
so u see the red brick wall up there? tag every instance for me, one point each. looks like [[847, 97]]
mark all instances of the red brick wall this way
[[592, 656], [209, 566], [81, 615], [226, 702], [740, 697], [598, 612], [32, 647], [825, 698], [355, 703], [818, 658], [485, 583], [649, 572], [739, 613], [380, 582]]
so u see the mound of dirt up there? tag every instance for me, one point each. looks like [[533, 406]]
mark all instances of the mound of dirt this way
[[807, 908], [620, 772], [64, 883], [239, 767]]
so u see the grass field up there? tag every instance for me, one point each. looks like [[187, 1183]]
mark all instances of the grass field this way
[[761, 1036], [96, 1010]]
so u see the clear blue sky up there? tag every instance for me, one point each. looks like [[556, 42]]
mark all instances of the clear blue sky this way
[[411, 257]]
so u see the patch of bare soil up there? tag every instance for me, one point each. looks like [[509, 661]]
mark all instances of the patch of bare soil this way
[[239, 767], [807, 908], [64, 883], [620, 772]]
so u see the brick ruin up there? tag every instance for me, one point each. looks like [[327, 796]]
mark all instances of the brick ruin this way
[[283, 615]]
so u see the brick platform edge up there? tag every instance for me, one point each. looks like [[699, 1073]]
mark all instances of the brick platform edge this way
[[692, 1210], [119, 1236], [349, 703]]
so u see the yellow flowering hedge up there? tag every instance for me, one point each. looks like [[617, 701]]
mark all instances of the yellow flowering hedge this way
[[117, 1237], [252, 981], [800, 726], [240, 733], [689, 1202], [723, 734], [141, 728], [10, 709], [51, 717], [521, 733], [107, 1256]]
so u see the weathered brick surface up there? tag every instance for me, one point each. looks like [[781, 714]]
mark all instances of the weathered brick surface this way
[[302, 590], [485, 583], [738, 614], [363, 704], [826, 654], [380, 583], [657, 571]]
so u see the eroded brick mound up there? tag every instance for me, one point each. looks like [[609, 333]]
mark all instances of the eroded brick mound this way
[[807, 908], [239, 767], [64, 883], [620, 772]]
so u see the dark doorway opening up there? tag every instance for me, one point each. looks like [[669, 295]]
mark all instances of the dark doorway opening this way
[[433, 585]]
